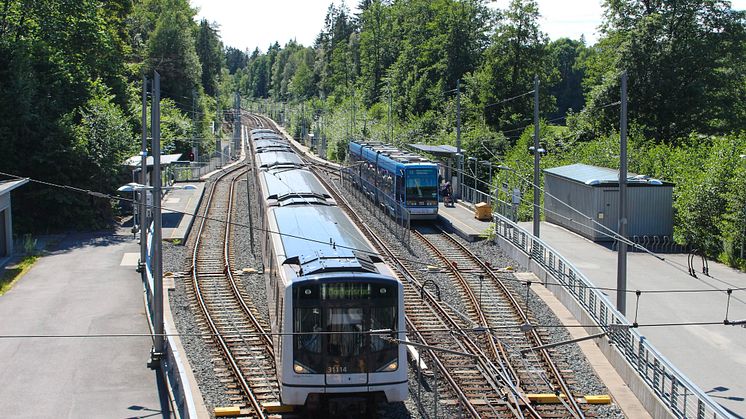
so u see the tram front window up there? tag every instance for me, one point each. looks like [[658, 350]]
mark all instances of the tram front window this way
[[421, 184]]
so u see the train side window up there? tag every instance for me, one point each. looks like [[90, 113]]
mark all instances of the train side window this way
[[400, 188]]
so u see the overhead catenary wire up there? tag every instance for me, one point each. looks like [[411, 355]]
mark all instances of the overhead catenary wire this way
[[476, 330], [264, 230], [509, 99]]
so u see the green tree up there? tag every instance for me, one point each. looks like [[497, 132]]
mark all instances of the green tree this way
[[55, 58], [685, 61], [235, 59], [172, 52], [518, 52], [564, 54], [210, 53]]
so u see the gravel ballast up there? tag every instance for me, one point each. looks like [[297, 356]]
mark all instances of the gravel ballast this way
[[177, 259]]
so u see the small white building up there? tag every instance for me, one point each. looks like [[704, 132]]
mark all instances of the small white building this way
[[6, 220]]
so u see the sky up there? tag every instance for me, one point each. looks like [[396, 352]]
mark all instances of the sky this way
[[244, 24]]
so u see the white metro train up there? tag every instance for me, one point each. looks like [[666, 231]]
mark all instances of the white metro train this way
[[333, 304]]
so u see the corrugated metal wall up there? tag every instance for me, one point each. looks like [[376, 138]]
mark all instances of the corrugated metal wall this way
[[579, 196], [650, 210]]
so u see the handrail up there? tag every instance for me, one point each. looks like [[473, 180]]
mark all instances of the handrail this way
[[681, 397]]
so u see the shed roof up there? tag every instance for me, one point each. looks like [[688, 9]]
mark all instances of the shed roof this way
[[595, 175], [166, 159], [8, 185], [438, 150]]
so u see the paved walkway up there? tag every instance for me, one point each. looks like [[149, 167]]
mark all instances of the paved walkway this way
[[88, 286], [713, 357]]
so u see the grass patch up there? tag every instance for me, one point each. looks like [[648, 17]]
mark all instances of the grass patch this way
[[11, 275]]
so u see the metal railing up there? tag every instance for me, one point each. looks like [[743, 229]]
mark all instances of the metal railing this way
[[680, 396], [469, 194], [385, 208], [186, 171]]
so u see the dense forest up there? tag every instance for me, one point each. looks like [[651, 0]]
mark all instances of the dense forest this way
[[70, 96], [391, 70]]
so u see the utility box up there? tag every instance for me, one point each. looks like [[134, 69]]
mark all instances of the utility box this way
[[483, 211]]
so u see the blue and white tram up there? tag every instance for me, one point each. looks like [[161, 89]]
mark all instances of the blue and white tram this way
[[410, 179], [326, 291]]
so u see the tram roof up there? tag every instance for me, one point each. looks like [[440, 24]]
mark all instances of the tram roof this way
[[319, 239], [392, 152]]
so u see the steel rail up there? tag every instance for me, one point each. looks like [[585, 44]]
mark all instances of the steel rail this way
[[524, 317], [464, 341], [245, 387], [229, 273]]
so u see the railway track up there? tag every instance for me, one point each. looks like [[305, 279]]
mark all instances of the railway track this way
[[237, 331], [478, 358], [494, 307], [472, 381]]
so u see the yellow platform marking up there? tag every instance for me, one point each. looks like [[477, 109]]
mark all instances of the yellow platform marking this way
[[275, 407], [544, 397], [548, 398], [598, 399], [227, 411]]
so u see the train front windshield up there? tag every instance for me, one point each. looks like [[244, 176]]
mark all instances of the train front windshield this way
[[343, 312], [421, 186]]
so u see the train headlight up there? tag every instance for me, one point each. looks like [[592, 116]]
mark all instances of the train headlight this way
[[391, 366], [300, 369]]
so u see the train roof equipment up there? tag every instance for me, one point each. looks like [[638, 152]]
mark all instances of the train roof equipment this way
[[329, 244], [273, 144], [283, 187], [262, 130], [276, 159]]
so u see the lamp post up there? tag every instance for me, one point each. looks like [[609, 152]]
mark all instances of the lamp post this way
[[474, 159], [156, 265], [489, 184]]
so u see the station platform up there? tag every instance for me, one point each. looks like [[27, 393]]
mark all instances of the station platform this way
[[711, 356], [82, 337], [460, 218], [178, 210]]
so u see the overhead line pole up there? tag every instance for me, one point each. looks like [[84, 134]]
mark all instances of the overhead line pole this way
[[391, 127], [621, 279], [459, 157], [537, 157], [144, 178], [157, 242]]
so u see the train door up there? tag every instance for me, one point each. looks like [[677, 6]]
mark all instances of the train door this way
[[400, 187]]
